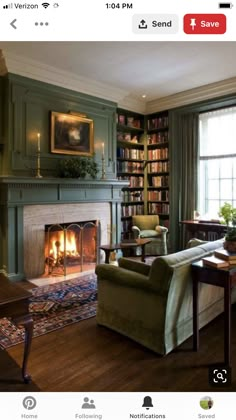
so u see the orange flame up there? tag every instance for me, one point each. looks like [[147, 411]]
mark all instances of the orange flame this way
[[57, 246]]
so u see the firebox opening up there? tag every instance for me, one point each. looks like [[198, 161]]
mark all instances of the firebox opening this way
[[71, 247]]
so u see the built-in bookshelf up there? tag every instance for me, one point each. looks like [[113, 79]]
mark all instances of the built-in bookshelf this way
[[143, 160], [130, 166], [158, 166]]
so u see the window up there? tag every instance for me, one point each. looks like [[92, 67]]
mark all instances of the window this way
[[217, 174]]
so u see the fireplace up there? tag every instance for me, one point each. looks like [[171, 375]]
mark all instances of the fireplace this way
[[43, 222], [29, 204], [71, 247]]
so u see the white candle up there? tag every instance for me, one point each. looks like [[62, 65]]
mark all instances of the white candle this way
[[103, 149], [38, 135]]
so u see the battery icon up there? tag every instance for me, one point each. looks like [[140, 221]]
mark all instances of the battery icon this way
[[225, 5]]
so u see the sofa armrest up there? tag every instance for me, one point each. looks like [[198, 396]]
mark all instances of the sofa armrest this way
[[137, 266], [123, 277], [136, 231]]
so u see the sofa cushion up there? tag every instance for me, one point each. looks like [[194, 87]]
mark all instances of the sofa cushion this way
[[149, 234]]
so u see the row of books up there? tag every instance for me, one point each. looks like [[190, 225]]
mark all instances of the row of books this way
[[128, 196], [159, 181], [161, 166], [131, 210], [157, 138], [134, 181], [158, 208], [221, 259], [129, 121], [162, 195], [158, 122], [128, 166], [127, 153], [127, 137], [162, 153]]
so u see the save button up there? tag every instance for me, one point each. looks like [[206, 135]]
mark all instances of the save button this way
[[206, 24]]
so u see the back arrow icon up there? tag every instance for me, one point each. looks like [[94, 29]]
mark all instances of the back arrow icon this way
[[12, 24]]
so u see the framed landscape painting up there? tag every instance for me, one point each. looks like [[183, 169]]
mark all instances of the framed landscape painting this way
[[71, 134]]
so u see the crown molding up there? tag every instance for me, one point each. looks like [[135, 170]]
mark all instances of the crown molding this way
[[210, 91], [133, 104], [38, 71]]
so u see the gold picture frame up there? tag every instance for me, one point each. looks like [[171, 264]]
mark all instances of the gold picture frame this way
[[71, 134]]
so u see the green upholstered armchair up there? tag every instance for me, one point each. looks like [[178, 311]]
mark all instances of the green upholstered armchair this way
[[149, 227], [153, 304]]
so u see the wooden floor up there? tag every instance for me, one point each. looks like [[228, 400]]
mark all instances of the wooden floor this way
[[85, 357]]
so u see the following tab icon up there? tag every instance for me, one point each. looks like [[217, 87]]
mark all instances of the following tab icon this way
[[205, 24]]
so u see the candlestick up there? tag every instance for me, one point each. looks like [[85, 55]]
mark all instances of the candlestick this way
[[38, 175], [103, 167], [38, 135]]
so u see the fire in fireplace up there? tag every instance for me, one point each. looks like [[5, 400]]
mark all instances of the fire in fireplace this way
[[70, 247]]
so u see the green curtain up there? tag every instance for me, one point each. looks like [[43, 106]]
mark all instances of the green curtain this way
[[189, 161]]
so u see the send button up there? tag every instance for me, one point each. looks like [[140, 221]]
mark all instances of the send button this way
[[155, 24]]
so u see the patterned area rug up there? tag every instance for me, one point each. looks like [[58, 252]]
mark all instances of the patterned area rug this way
[[54, 307]]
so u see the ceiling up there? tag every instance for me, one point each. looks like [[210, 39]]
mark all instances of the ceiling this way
[[156, 69]]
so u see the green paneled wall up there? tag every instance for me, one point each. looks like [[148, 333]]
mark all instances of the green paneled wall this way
[[25, 107]]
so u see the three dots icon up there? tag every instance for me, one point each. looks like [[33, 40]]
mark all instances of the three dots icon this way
[[41, 23]]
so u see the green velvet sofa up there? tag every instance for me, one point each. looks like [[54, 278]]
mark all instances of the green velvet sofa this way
[[153, 304]]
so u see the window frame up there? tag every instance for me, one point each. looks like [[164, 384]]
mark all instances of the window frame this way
[[203, 180]]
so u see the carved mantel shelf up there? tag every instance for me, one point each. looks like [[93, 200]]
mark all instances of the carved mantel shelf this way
[[26, 191]]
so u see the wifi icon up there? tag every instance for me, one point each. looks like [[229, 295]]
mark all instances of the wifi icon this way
[[45, 5]]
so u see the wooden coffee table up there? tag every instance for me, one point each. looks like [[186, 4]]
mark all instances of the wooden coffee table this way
[[134, 243], [14, 303]]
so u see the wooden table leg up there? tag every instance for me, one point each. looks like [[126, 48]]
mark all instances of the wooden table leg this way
[[227, 322], [143, 253], [107, 254], [195, 314], [28, 323]]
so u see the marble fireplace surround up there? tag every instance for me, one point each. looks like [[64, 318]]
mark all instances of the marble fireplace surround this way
[[28, 204]]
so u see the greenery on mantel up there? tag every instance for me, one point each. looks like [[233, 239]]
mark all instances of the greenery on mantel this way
[[77, 168]]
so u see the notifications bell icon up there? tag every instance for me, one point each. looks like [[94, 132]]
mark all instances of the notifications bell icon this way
[[147, 402]]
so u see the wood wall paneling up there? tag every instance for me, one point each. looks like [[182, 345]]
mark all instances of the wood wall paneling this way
[[29, 104]]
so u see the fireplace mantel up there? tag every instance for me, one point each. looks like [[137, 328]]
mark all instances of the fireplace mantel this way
[[18, 192], [26, 191]]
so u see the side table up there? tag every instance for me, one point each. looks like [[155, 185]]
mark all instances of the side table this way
[[125, 245], [14, 303], [221, 277], [207, 231]]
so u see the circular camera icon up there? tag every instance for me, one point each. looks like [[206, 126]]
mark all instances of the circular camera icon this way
[[206, 403]]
